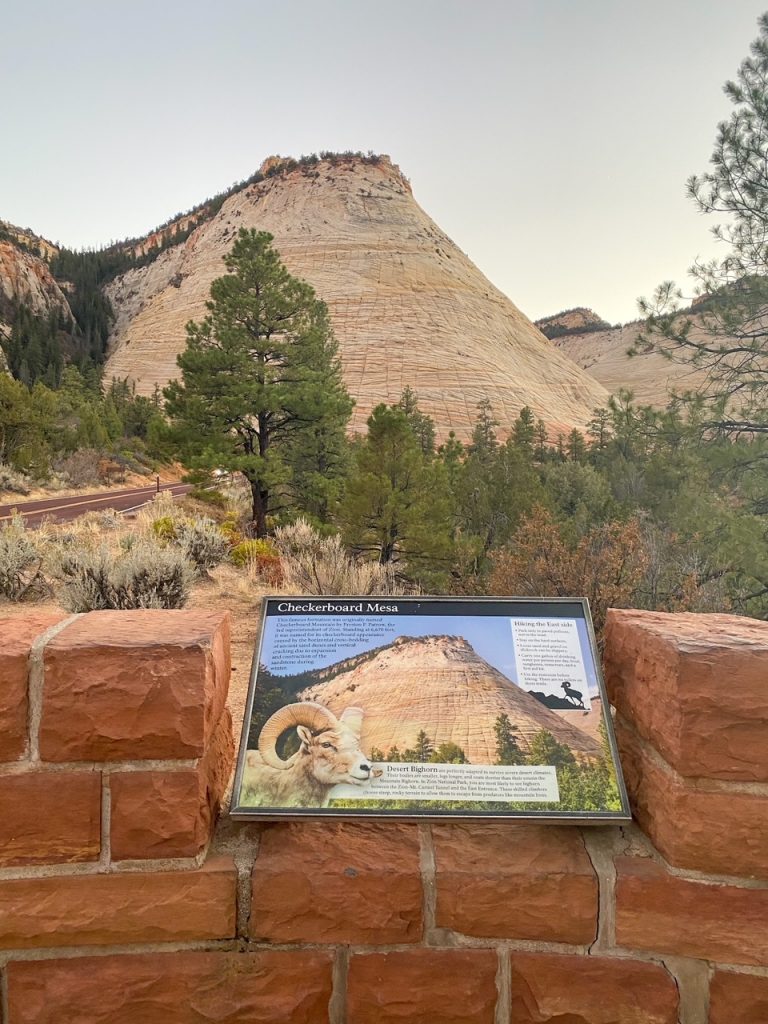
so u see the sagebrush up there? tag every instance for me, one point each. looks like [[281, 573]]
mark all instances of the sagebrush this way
[[21, 575], [313, 564], [147, 576]]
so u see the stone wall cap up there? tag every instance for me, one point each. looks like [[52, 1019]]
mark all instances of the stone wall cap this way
[[17, 633], [689, 630], [140, 629]]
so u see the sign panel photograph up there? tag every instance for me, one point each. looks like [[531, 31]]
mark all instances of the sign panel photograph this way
[[427, 708]]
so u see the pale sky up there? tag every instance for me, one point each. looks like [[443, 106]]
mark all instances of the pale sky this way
[[551, 139]]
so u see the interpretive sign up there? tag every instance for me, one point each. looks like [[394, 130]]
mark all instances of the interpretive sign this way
[[427, 708]]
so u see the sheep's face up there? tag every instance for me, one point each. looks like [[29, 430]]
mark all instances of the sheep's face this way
[[335, 756]]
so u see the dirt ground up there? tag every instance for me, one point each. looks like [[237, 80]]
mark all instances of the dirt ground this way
[[228, 590]]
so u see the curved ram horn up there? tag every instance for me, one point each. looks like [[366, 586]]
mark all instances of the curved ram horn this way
[[313, 716], [353, 718]]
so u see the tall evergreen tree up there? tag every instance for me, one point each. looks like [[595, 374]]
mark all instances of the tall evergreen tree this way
[[259, 373], [726, 331], [524, 431], [396, 506], [423, 426], [507, 750]]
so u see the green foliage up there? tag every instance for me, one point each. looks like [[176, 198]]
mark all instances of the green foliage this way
[[209, 497], [507, 750], [41, 427], [261, 557], [423, 748], [498, 484], [248, 551], [35, 347], [258, 375], [27, 426], [164, 527], [725, 332], [397, 504], [423, 426], [545, 749], [448, 753]]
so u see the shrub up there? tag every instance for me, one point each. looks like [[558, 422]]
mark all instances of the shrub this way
[[13, 481], [317, 565], [202, 542], [21, 574], [232, 532], [261, 558], [164, 528], [81, 468], [209, 497], [606, 565], [146, 577], [108, 519]]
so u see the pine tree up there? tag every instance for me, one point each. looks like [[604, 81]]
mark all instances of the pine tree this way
[[542, 441], [524, 431], [726, 332], [423, 426], [545, 749], [259, 374], [396, 505], [484, 439], [577, 446], [448, 753], [507, 750]]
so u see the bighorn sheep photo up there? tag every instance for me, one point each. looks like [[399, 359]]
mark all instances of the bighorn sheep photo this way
[[329, 754]]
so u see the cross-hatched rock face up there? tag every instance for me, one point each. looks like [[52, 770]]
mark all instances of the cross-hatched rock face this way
[[650, 376], [441, 685], [407, 306]]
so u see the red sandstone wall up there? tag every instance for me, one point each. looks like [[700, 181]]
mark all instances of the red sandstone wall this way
[[120, 903]]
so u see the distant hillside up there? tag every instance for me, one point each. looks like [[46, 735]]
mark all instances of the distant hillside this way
[[602, 351], [408, 307], [579, 320]]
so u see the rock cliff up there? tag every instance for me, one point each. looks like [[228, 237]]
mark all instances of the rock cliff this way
[[407, 306], [441, 685], [25, 280]]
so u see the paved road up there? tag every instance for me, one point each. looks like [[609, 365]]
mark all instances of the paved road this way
[[63, 510]]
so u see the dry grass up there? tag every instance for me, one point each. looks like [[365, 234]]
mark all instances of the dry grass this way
[[322, 566], [315, 565]]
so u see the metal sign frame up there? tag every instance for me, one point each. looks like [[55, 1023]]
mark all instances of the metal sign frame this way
[[503, 607]]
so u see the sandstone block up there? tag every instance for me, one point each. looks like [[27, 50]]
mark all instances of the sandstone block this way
[[694, 826], [142, 684], [695, 686], [354, 883], [97, 910], [171, 813], [423, 986], [16, 638], [590, 990], [666, 914], [514, 882], [172, 988], [738, 997], [49, 817]]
